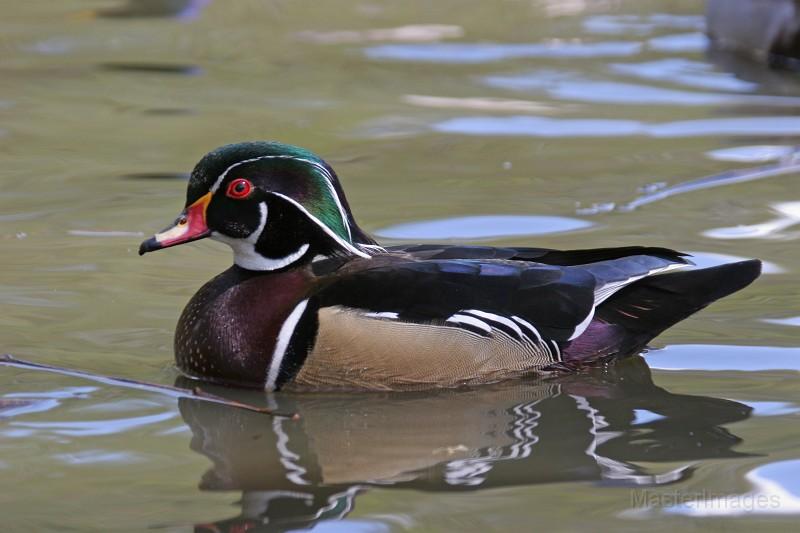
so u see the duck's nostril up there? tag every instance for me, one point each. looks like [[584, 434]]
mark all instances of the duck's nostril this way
[[182, 220]]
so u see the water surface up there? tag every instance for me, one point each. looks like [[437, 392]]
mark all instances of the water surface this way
[[505, 123]]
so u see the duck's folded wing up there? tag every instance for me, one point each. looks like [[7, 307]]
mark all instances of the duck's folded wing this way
[[416, 324], [538, 255], [522, 299]]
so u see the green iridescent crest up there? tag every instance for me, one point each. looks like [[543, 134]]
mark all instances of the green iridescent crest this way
[[292, 172]]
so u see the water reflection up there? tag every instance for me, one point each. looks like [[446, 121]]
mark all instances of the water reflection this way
[[595, 426], [532, 126], [482, 227], [768, 81], [788, 217], [410, 33], [562, 85], [489, 52], [679, 43], [714, 357], [775, 490], [684, 72], [762, 153], [641, 25]]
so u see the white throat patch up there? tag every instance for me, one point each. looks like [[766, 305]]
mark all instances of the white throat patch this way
[[244, 250]]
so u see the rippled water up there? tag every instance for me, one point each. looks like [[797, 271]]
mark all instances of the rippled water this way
[[552, 123]]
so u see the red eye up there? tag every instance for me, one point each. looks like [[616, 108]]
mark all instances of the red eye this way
[[239, 188]]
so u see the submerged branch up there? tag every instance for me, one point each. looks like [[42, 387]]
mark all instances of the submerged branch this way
[[175, 392]]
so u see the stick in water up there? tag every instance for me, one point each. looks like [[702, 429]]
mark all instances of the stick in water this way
[[167, 390]]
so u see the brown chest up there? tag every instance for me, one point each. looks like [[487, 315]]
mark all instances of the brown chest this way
[[229, 329]]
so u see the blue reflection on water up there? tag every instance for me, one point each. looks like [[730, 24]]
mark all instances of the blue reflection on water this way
[[535, 126], [776, 490], [643, 416], [62, 393], [482, 227], [487, 52], [641, 25], [682, 42], [90, 428], [349, 526], [720, 357], [565, 87], [772, 408], [785, 473], [685, 72], [539, 126], [791, 321], [752, 153]]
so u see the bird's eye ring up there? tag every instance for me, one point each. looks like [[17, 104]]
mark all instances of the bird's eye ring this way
[[239, 188]]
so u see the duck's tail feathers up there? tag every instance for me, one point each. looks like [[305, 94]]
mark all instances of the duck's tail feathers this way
[[626, 322]]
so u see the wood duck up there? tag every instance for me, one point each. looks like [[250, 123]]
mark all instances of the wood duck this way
[[313, 302]]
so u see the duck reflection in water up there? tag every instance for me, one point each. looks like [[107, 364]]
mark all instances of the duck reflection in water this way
[[592, 426]]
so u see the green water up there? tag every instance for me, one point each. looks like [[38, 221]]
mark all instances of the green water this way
[[549, 109]]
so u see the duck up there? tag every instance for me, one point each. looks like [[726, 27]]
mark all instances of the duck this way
[[312, 302]]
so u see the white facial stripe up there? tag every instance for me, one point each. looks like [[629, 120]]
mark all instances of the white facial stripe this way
[[262, 223], [245, 255], [244, 250], [266, 263], [344, 244], [284, 336], [214, 188], [321, 168]]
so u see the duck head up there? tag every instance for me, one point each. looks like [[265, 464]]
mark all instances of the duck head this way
[[274, 204]]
